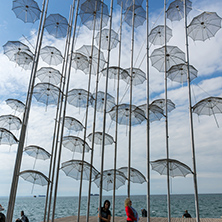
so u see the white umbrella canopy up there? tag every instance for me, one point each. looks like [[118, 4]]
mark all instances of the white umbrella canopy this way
[[108, 179], [176, 168], [51, 55], [73, 124], [35, 177], [26, 10], [114, 39], [37, 152], [10, 122], [175, 11], [75, 144], [174, 56], [204, 26], [157, 35], [178, 73], [49, 74], [113, 72], [16, 104], [98, 138], [135, 175], [73, 168], [110, 101], [138, 76], [80, 61], [209, 106], [161, 103], [6, 137]]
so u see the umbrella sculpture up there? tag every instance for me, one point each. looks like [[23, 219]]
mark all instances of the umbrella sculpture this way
[[93, 59], [113, 72], [37, 152], [175, 11], [114, 39], [204, 26], [46, 93], [50, 75], [73, 168], [157, 35], [35, 177], [99, 136], [138, 115], [78, 97], [10, 122], [75, 144], [13, 48], [26, 10], [6, 137], [73, 124], [174, 56], [139, 16], [209, 106], [56, 25], [51, 55], [128, 3], [110, 101], [155, 112], [24, 60], [89, 9], [178, 73], [161, 103], [138, 76], [108, 179], [176, 168], [80, 61], [16, 104], [135, 175]]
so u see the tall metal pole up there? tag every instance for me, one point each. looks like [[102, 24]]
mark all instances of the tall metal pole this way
[[147, 111], [64, 113], [131, 99], [86, 123], [191, 117], [117, 115], [18, 160], [58, 118], [166, 118]]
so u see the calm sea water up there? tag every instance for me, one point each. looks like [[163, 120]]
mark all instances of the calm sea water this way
[[210, 206]]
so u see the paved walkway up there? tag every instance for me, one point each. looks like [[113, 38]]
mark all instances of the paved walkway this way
[[142, 219]]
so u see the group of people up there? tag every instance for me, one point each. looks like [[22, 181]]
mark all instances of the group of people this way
[[104, 213], [22, 219], [132, 215]]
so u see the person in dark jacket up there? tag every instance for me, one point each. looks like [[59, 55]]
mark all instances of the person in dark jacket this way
[[186, 214], [105, 214]]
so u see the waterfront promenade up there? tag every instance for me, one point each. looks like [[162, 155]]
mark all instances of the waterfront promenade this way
[[142, 219]]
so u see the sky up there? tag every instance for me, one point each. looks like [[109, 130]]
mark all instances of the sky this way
[[204, 56]]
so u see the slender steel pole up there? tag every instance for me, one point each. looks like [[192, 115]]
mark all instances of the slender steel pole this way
[[64, 113], [117, 115], [147, 111], [166, 118], [191, 117], [14, 184], [86, 123], [58, 118], [131, 99]]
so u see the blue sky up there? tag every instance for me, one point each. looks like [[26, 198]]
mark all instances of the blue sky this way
[[205, 56]]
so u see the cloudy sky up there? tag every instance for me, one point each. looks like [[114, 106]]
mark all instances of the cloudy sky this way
[[204, 56]]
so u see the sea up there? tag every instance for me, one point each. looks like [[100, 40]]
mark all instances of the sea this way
[[210, 206]]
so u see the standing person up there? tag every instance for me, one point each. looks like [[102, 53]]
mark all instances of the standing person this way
[[186, 214], [105, 215], [131, 213]]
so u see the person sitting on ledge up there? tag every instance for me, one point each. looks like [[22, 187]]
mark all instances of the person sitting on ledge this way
[[186, 214]]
